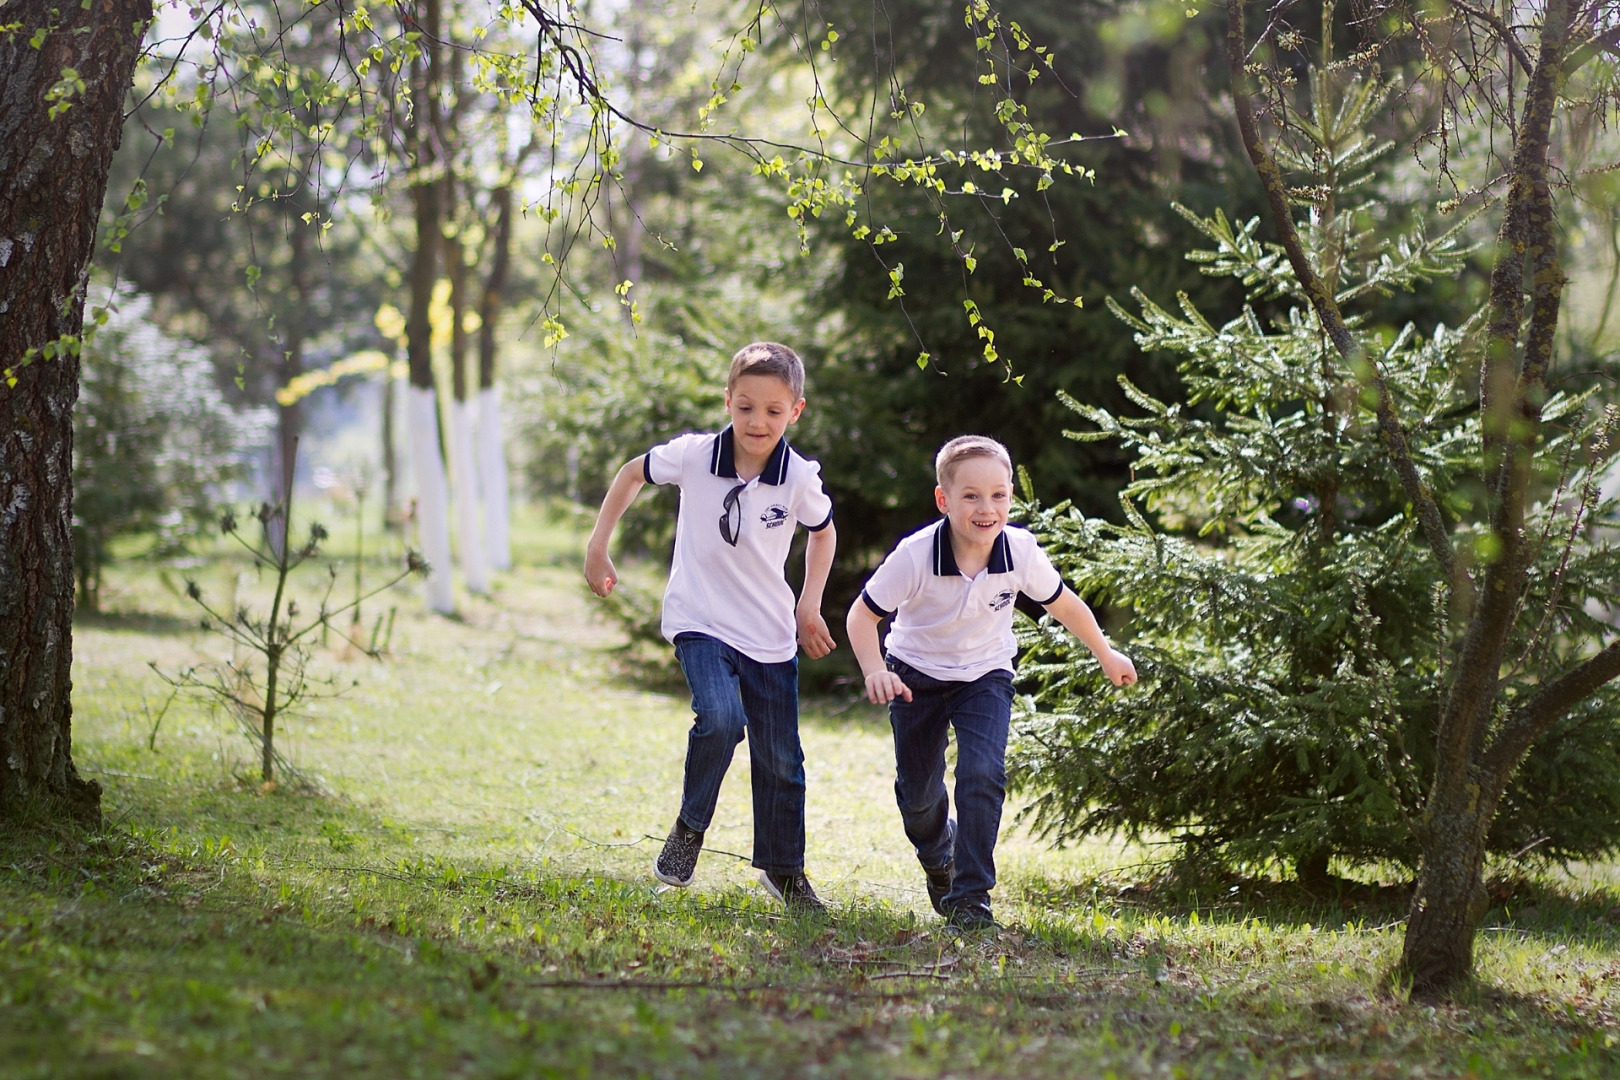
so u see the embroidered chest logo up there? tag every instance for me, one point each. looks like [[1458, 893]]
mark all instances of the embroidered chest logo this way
[[1000, 601], [775, 517]]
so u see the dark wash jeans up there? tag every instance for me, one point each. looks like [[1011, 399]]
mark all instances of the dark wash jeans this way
[[980, 711], [733, 694]]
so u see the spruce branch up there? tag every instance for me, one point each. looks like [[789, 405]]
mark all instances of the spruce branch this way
[[1327, 308]]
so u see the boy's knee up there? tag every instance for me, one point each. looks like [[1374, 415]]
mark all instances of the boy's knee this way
[[985, 776], [722, 724], [917, 799]]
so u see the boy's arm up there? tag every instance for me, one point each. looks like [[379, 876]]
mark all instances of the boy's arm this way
[[882, 685], [814, 635], [1076, 615], [600, 573]]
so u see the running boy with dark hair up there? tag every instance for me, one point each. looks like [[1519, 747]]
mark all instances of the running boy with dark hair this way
[[730, 612]]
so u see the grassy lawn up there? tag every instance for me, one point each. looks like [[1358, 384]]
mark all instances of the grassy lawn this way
[[461, 889]]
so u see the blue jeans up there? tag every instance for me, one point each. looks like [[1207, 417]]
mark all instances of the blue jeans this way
[[733, 694], [980, 711]]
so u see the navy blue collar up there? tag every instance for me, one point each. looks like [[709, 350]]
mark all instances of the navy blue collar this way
[[945, 559], [723, 460]]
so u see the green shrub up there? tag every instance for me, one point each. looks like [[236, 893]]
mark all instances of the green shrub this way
[[154, 442]]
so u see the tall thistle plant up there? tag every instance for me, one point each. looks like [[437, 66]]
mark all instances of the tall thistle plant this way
[[1293, 631]]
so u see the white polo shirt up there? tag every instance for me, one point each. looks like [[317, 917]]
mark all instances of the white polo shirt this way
[[736, 593], [950, 626]]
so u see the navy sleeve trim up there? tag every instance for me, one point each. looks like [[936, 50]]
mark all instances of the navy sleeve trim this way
[[826, 522], [646, 468], [1053, 598], [872, 606]]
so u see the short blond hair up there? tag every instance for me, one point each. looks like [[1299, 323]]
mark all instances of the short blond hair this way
[[963, 447], [768, 358]]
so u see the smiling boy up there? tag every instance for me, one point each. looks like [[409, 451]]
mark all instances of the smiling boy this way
[[730, 612], [950, 589]]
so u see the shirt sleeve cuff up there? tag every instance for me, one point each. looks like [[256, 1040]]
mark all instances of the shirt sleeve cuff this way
[[1053, 598], [646, 468], [873, 607], [824, 522]]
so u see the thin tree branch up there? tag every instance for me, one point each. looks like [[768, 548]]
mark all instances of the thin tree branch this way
[[1494, 21]]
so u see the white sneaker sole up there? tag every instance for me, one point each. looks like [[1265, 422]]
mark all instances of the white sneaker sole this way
[[770, 887], [667, 880]]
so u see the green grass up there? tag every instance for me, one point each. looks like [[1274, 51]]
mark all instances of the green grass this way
[[462, 890]]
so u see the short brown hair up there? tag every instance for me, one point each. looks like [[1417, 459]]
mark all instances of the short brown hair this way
[[768, 358], [964, 447]]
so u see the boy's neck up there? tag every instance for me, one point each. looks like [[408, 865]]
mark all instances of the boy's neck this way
[[748, 466], [971, 554]]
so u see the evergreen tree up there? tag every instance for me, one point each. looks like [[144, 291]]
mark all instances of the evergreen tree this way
[[1289, 624]]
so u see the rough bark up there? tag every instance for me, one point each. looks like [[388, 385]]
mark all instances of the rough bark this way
[[53, 177], [1470, 776]]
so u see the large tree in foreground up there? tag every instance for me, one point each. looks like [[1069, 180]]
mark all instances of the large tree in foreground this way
[[64, 71], [1526, 73]]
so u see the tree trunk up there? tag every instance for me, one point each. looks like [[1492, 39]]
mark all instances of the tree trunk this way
[[463, 461], [1450, 898], [422, 426], [492, 480], [390, 499], [53, 177], [290, 365]]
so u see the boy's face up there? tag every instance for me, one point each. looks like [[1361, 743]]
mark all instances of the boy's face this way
[[761, 407], [977, 499]]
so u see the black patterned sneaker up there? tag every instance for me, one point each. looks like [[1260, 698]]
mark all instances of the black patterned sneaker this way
[[939, 882], [794, 891], [972, 917], [677, 863]]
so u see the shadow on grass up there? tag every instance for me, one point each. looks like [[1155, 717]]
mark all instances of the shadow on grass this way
[[1525, 907], [182, 941]]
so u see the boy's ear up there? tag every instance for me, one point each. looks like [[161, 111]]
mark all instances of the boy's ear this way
[[793, 417], [939, 498]]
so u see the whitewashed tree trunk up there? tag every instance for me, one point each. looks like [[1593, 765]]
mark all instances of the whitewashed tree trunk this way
[[464, 458], [492, 479], [432, 496]]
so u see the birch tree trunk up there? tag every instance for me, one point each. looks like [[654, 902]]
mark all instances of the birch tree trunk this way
[[422, 413], [53, 177], [463, 457], [492, 481]]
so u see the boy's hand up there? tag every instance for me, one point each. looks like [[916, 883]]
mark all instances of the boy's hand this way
[[1118, 667], [600, 573], [884, 686], [814, 635]]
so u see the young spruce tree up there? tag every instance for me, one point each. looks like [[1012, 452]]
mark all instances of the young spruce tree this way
[[1290, 625]]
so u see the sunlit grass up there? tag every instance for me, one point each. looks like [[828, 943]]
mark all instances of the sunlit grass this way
[[460, 887]]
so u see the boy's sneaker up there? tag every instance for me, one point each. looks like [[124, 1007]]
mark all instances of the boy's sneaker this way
[[677, 863], [794, 891], [939, 883], [972, 917]]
